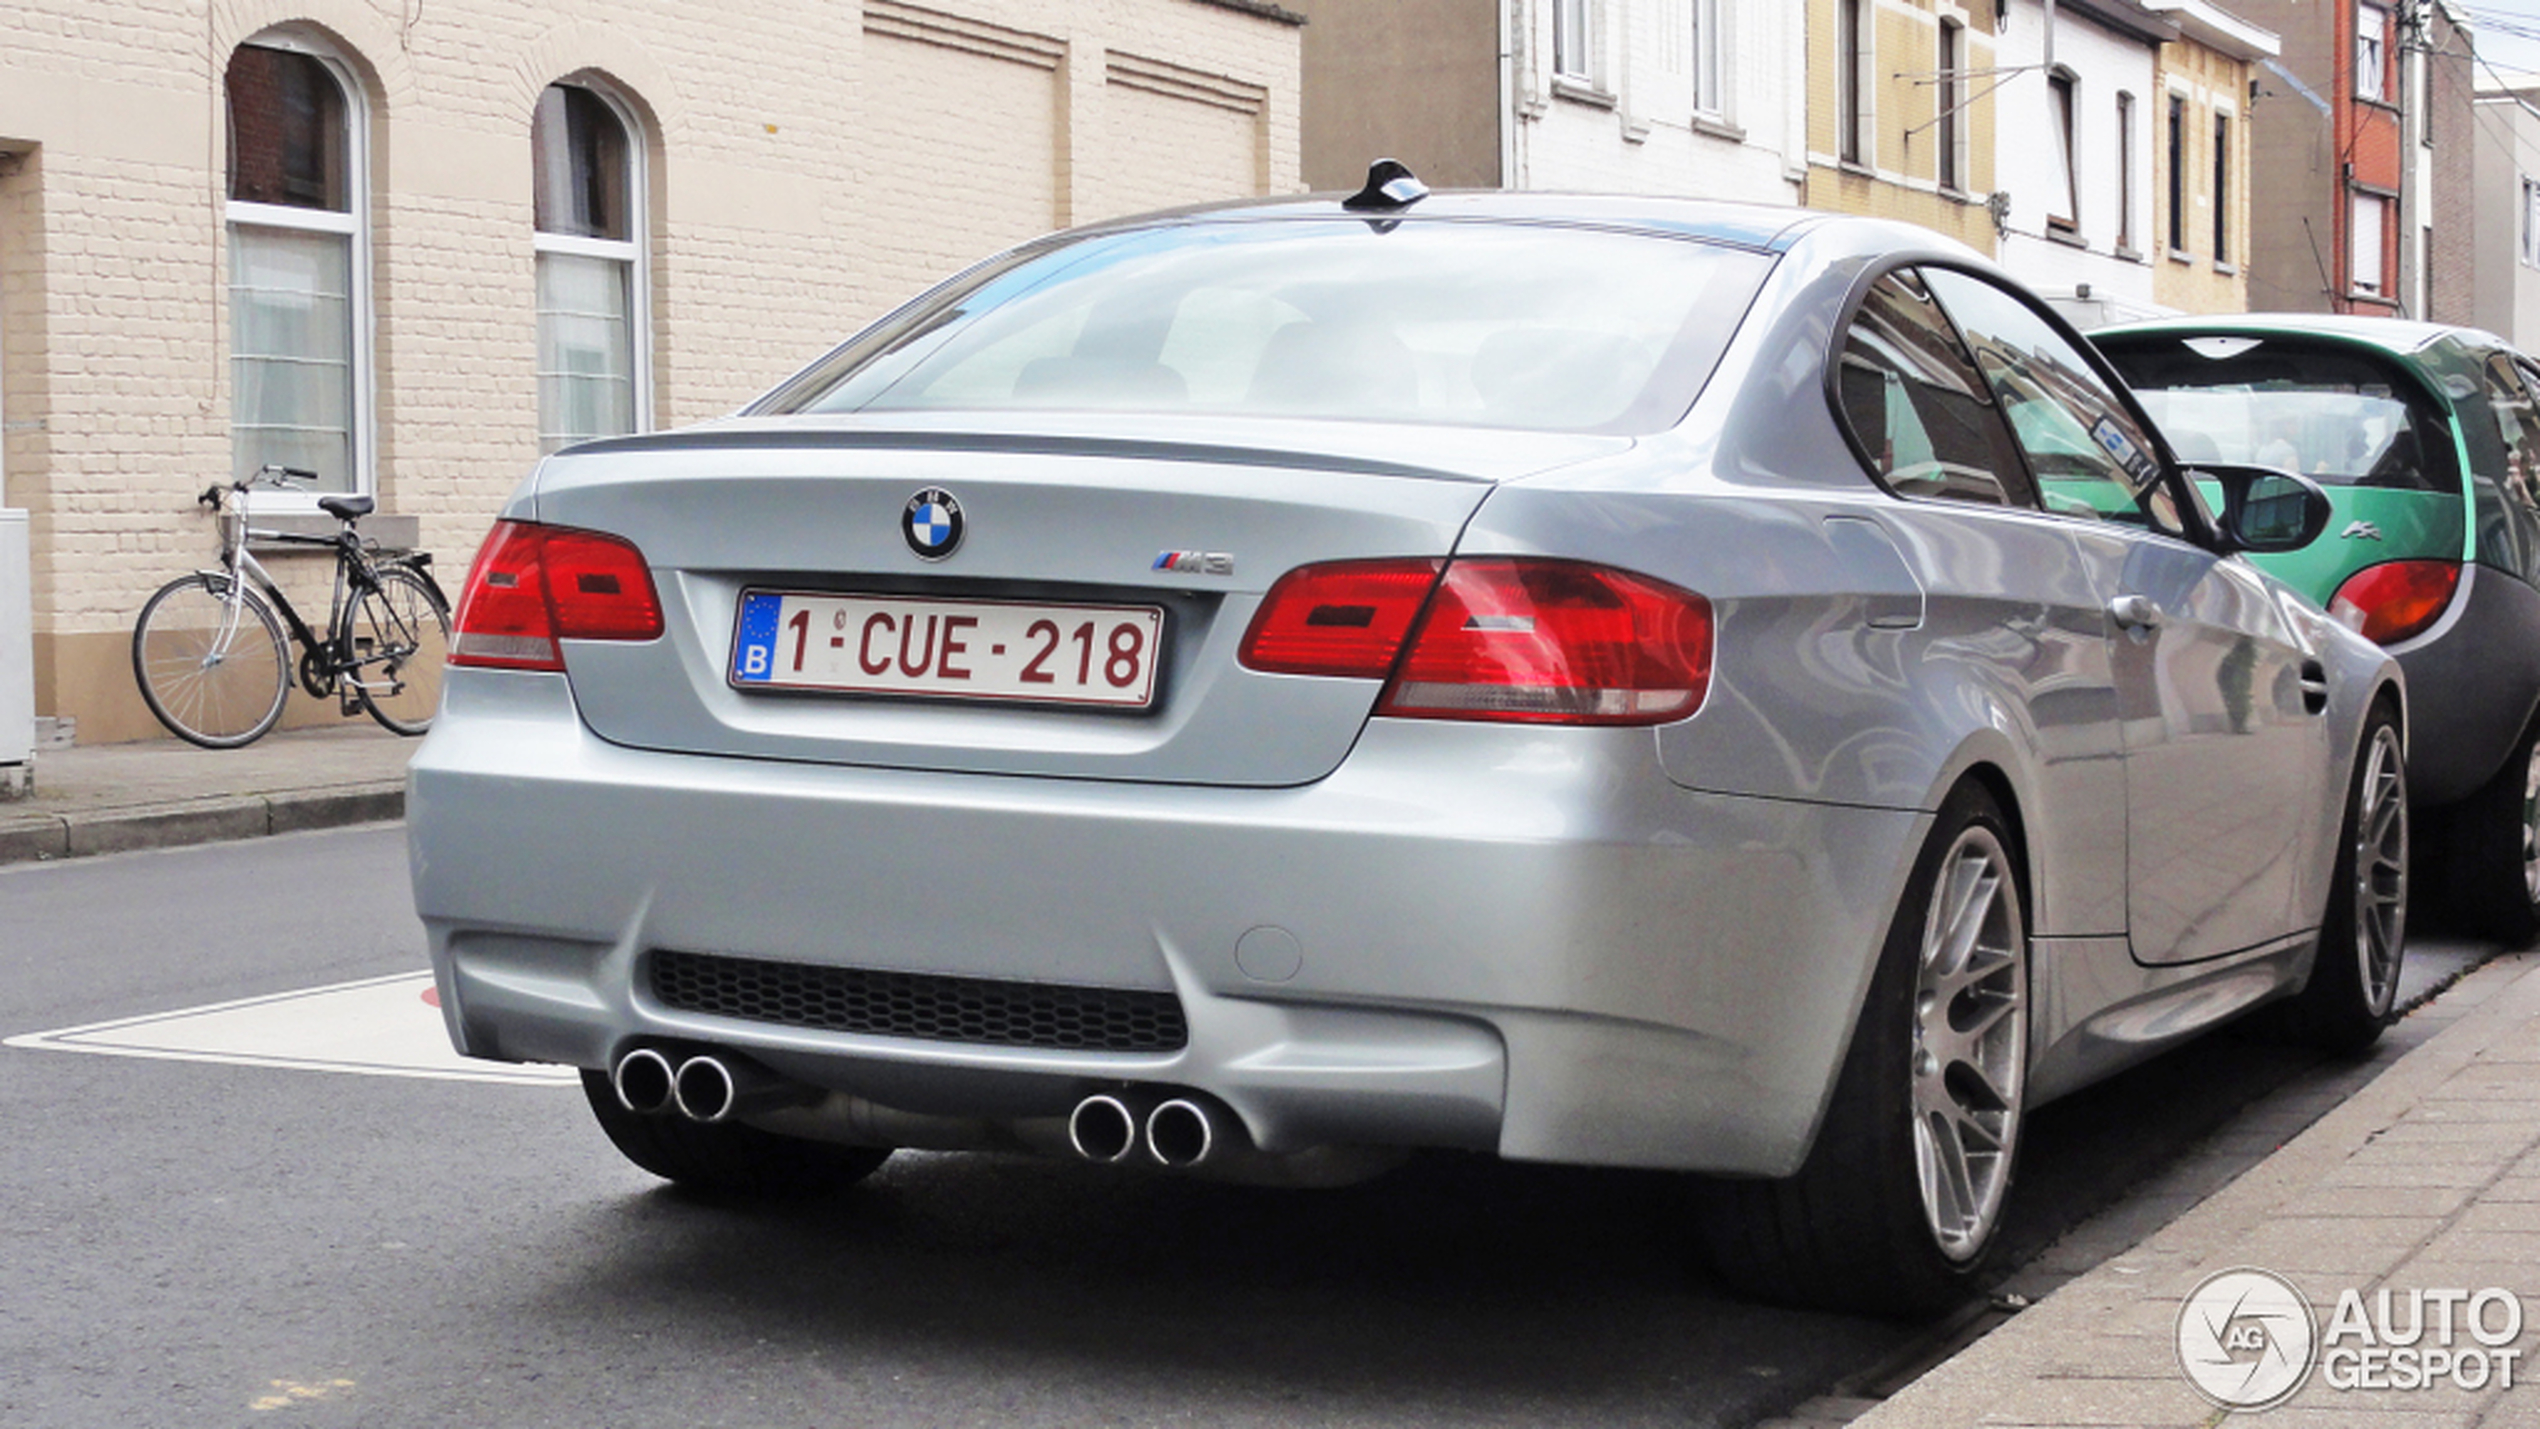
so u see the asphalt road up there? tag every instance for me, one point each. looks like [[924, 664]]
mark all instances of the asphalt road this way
[[190, 1243]]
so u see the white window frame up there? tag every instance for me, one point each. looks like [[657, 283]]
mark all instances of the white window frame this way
[[2126, 166], [1574, 41], [2530, 221], [2063, 106], [1950, 164], [354, 223], [2372, 52], [2224, 134], [2359, 206], [1855, 109], [635, 252], [1711, 50]]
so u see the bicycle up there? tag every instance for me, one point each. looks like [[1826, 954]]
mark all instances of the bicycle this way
[[210, 657]]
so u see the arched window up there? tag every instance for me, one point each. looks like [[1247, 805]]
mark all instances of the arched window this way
[[299, 280], [592, 360]]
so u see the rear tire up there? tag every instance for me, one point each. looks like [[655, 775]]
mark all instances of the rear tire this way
[[400, 634], [214, 674], [2495, 839], [2364, 929], [726, 1158], [1895, 1210]]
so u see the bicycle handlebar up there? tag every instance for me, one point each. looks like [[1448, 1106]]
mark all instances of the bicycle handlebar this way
[[272, 474]]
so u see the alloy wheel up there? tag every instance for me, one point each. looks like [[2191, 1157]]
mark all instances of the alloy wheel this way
[[2381, 864], [1970, 1042]]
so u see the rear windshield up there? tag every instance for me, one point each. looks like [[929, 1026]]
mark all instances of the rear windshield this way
[[1541, 327], [2338, 416]]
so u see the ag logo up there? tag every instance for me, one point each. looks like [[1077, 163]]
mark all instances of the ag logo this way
[[2363, 530], [932, 524], [2246, 1339]]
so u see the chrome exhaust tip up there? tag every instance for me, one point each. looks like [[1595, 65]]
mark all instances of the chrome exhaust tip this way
[[1180, 1134], [1102, 1128], [643, 1081], [705, 1090]]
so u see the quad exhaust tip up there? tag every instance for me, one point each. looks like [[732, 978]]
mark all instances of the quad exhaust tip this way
[[1180, 1133], [1102, 1128], [644, 1082], [705, 1090]]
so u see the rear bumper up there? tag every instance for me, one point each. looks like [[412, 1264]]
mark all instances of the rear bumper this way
[[1505, 939]]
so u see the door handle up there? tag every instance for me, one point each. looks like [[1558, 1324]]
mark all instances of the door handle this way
[[2137, 613]]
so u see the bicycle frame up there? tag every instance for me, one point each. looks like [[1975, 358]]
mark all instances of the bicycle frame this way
[[323, 665]]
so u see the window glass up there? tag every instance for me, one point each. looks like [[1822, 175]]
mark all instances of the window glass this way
[[2066, 210], [2338, 416], [1913, 400], [2368, 217], [589, 269], [1852, 62], [2089, 456], [2372, 36], [578, 167], [1570, 38], [291, 353], [286, 131], [296, 234], [1546, 328], [2518, 425], [1710, 61]]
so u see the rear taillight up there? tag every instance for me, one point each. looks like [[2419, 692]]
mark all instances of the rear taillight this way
[[2395, 600], [1551, 642], [533, 585], [1555, 642], [1345, 618]]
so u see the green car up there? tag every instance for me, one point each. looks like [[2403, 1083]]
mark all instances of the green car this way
[[2427, 439]]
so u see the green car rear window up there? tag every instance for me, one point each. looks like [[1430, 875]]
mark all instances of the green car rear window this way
[[2340, 416]]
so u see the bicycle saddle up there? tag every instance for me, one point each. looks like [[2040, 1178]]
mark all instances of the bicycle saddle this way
[[345, 508]]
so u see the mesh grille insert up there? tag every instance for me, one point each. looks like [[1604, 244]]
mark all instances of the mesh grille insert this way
[[982, 1011]]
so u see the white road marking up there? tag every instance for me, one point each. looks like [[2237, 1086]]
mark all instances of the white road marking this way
[[378, 1027]]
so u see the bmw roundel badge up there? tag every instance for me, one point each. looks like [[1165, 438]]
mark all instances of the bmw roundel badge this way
[[932, 524]]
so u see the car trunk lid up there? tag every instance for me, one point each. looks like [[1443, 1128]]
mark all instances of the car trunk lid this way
[[1192, 523]]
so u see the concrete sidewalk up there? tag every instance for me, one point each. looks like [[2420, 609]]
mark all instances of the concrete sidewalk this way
[[162, 793]]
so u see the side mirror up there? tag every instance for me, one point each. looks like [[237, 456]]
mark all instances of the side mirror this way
[[2265, 509]]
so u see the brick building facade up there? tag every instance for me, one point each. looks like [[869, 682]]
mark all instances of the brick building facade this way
[[389, 278]]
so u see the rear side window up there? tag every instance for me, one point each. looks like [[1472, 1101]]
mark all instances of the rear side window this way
[[1532, 326], [2338, 416], [2084, 448], [1914, 402]]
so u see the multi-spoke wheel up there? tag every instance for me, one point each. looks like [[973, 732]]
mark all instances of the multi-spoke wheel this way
[[1970, 1043], [210, 666], [2364, 929], [399, 635], [1899, 1200]]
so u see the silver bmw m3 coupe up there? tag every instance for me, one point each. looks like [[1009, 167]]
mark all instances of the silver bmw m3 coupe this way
[[1262, 691]]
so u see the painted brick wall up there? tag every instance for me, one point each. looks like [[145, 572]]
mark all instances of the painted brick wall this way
[[805, 167]]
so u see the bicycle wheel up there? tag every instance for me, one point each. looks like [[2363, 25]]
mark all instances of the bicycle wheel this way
[[397, 636], [211, 668]]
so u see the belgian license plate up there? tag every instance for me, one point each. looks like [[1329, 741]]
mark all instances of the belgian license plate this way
[[962, 649]]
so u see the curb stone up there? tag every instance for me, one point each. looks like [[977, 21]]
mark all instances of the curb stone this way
[[43, 837]]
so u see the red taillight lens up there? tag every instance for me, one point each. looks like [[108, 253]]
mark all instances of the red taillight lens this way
[[1555, 642], [533, 584], [1345, 618], [2392, 601]]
